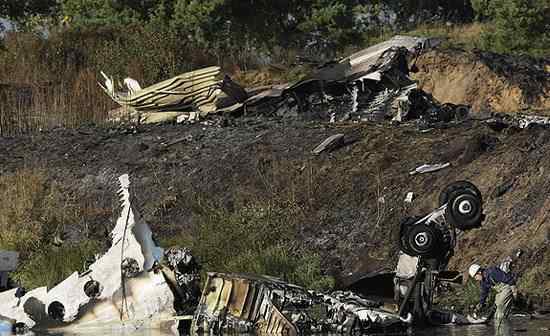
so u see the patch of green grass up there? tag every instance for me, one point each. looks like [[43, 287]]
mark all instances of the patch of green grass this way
[[255, 238], [535, 282], [54, 264], [33, 209], [303, 268]]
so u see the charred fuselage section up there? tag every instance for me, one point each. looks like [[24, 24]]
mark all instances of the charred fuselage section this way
[[239, 303]]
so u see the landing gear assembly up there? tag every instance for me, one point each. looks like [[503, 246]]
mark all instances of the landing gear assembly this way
[[427, 243]]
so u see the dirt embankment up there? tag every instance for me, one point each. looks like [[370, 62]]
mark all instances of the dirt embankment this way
[[351, 198], [487, 81]]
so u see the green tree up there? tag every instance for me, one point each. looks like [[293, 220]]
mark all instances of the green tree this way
[[105, 12], [263, 23], [519, 26], [334, 18], [483, 8], [200, 19]]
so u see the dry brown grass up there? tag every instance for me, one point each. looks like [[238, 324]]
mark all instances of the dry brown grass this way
[[40, 91], [18, 195], [269, 75], [52, 83], [466, 36], [34, 210], [57, 105]]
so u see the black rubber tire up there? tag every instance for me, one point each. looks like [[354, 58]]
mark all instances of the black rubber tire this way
[[464, 210], [423, 240], [458, 185], [404, 228]]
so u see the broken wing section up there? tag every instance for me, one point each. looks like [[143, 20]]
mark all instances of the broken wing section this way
[[120, 290]]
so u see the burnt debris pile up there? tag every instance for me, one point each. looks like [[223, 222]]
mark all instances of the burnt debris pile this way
[[370, 85]]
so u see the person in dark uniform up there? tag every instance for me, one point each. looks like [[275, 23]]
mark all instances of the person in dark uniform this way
[[503, 282]]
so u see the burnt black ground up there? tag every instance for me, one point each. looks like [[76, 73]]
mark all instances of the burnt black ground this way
[[171, 166]]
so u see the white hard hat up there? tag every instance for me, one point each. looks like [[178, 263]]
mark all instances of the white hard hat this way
[[474, 268]]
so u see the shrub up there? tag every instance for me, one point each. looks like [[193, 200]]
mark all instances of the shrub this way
[[535, 281], [519, 26], [50, 265], [34, 210], [483, 8], [256, 238], [463, 299]]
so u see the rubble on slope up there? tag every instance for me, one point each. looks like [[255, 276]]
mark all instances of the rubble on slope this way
[[370, 85], [137, 285], [499, 121]]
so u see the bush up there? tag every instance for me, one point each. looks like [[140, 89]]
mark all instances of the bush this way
[[256, 238], [50, 265], [17, 9], [302, 268], [463, 299], [31, 211], [483, 8], [518, 26], [535, 281], [100, 12]]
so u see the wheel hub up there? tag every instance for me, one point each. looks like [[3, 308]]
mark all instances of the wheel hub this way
[[465, 207], [421, 239]]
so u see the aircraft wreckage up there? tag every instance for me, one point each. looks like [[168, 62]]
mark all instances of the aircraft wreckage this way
[[137, 285], [373, 84], [125, 288]]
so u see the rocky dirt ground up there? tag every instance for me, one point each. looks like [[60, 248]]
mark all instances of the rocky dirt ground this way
[[350, 200]]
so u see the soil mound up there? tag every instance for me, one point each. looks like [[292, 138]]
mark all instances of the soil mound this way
[[487, 81]]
